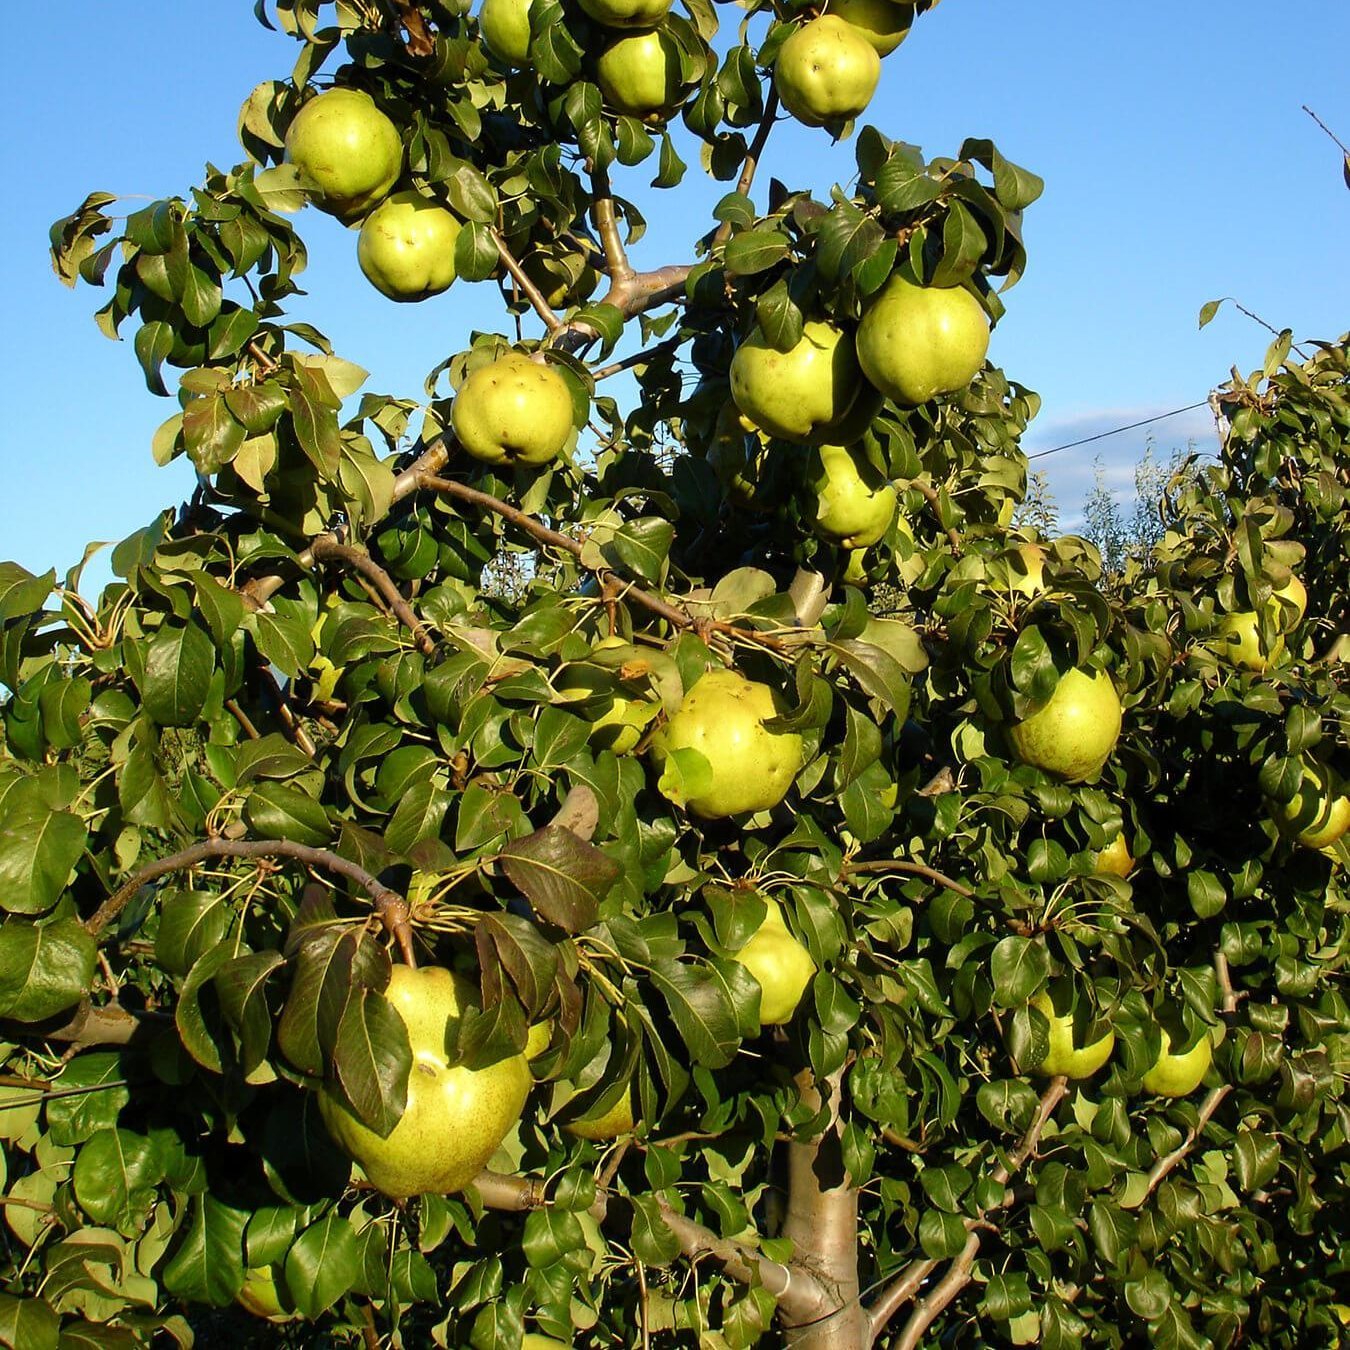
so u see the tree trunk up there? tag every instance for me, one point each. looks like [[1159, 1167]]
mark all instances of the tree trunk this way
[[822, 1221]]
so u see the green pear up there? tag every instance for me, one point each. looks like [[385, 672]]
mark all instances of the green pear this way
[[505, 26], [627, 13], [347, 150], [1063, 1056], [854, 503], [619, 1119], [827, 71], [1317, 815], [640, 74], [1178, 1075], [1073, 735], [407, 247], [722, 717], [514, 411], [781, 965], [805, 394], [916, 342], [455, 1118], [1115, 859], [884, 23]]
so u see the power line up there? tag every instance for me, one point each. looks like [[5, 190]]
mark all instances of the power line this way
[[1115, 431]]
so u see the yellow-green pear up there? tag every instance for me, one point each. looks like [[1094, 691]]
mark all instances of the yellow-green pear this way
[[261, 1295], [640, 74], [627, 13], [1073, 735], [455, 1118], [722, 717], [780, 963], [407, 247], [1178, 1075], [505, 26], [1063, 1056], [1317, 815], [854, 503], [805, 394], [1237, 640], [619, 1119], [348, 151], [514, 411], [916, 342], [1114, 860], [827, 71], [884, 23]]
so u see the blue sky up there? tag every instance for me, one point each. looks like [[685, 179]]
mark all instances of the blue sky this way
[[1179, 168]]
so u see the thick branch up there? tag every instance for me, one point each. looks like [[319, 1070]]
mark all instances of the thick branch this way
[[88, 1025], [327, 547], [607, 227], [959, 1273], [391, 907]]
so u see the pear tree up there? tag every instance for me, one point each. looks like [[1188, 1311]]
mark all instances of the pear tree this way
[[626, 843]]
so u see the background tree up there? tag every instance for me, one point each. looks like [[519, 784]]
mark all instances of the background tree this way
[[403, 768]]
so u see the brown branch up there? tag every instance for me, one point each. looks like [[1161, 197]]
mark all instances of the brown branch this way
[[663, 609], [752, 158], [930, 494], [327, 547], [913, 868], [391, 907], [959, 1273], [531, 292], [637, 358], [288, 718], [1339, 143], [90, 1025]]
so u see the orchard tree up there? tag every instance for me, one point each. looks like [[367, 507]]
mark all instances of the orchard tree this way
[[526, 868]]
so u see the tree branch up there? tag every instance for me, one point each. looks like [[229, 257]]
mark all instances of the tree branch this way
[[752, 158], [913, 868], [930, 494], [328, 547], [89, 1025], [959, 1272], [607, 227], [391, 907], [531, 292]]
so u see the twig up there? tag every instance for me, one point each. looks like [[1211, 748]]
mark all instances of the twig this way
[[904, 865], [1340, 144], [240, 716], [930, 493], [327, 547], [628, 362], [643, 1309], [752, 158], [959, 1273], [530, 291], [369, 1331], [391, 907], [1157, 1174], [288, 718]]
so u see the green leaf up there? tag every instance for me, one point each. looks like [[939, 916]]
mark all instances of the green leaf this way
[[78, 1117], [38, 849], [562, 876], [779, 317], [277, 811], [753, 251], [333, 964], [44, 969], [476, 256], [642, 546], [208, 1266], [179, 662], [653, 1242], [211, 435], [372, 1060], [115, 1175], [28, 1324], [241, 987], [322, 1265], [22, 593], [314, 419], [702, 1008]]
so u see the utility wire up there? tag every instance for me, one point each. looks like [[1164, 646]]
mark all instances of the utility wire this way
[[1115, 431]]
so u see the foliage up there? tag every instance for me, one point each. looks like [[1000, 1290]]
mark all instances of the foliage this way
[[338, 710]]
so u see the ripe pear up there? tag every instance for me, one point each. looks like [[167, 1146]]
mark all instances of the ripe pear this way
[[618, 720], [407, 247], [1073, 735], [854, 503], [916, 342], [1317, 815], [261, 1296], [1063, 1056], [348, 151], [1237, 640], [455, 1118], [1114, 860], [627, 13], [505, 26], [640, 74], [1292, 603], [722, 717], [805, 394], [780, 963], [1178, 1075], [1030, 579], [827, 71], [514, 411], [619, 1119], [884, 23]]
